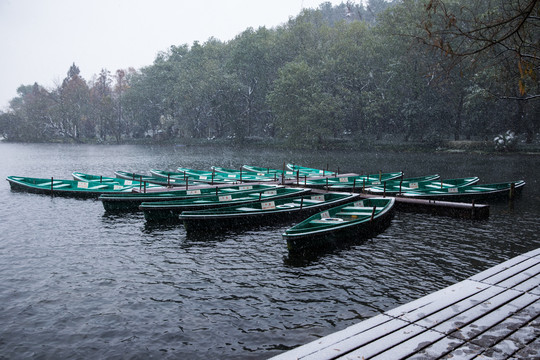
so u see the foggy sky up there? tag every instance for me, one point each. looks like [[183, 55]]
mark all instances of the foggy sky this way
[[40, 39]]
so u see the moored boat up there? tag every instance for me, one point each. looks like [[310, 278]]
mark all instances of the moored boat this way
[[388, 187], [275, 174], [109, 180], [310, 171], [261, 212], [169, 210], [355, 220], [68, 188], [151, 179], [174, 178], [396, 187], [131, 202], [359, 181], [469, 193]]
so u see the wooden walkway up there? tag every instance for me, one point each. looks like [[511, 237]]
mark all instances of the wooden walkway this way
[[492, 315]]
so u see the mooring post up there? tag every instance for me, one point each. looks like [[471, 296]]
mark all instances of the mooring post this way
[[512, 190], [384, 190], [380, 175], [301, 202], [168, 180], [400, 183], [52, 185], [326, 184], [186, 178], [373, 213], [145, 187], [216, 190], [305, 179], [364, 185], [297, 177]]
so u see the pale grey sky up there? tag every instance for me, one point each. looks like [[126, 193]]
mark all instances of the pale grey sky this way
[[40, 39]]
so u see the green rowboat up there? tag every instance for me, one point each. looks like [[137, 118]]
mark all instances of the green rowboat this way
[[270, 173], [329, 228], [396, 187], [505, 190], [266, 212], [359, 181], [169, 210], [113, 180], [153, 179], [131, 202], [68, 188], [310, 171]]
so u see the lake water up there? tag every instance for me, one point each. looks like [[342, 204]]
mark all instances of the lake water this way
[[79, 283]]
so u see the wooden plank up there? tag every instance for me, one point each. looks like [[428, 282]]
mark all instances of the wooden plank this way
[[337, 342], [515, 333], [382, 345], [524, 269], [489, 319]]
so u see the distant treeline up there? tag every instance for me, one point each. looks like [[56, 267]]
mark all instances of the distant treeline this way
[[423, 70]]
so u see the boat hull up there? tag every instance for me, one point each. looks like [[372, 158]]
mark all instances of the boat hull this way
[[169, 211], [223, 220], [131, 202], [301, 241], [468, 194]]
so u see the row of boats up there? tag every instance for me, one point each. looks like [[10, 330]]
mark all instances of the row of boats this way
[[329, 204]]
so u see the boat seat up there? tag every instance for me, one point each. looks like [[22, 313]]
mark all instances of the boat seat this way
[[60, 186], [98, 187], [355, 213], [359, 208], [307, 201], [328, 221], [55, 183], [286, 206], [438, 186]]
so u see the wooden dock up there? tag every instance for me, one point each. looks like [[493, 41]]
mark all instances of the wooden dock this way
[[494, 314]]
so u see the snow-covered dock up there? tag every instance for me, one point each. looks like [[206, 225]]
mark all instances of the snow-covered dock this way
[[494, 314]]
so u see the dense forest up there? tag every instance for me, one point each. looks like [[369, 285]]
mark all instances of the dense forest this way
[[414, 70]]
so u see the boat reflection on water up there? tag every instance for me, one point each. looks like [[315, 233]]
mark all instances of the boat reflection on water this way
[[307, 256]]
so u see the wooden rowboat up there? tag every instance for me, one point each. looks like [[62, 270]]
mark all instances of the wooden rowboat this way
[[113, 180], [390, 184], [131, 202], [68, 188], [310, 171], [359, 219], [359, 181], [151, 179], [262, 212], [505, 190], [269, 172], [396, 186], [209, 177], [169, 210]]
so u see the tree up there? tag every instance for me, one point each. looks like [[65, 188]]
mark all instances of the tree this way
[[305, 112], [72, 106], [493, 33], [504, 28], [101, 101]]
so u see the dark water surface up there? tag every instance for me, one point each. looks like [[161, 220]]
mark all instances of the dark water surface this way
[[78, 283]]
